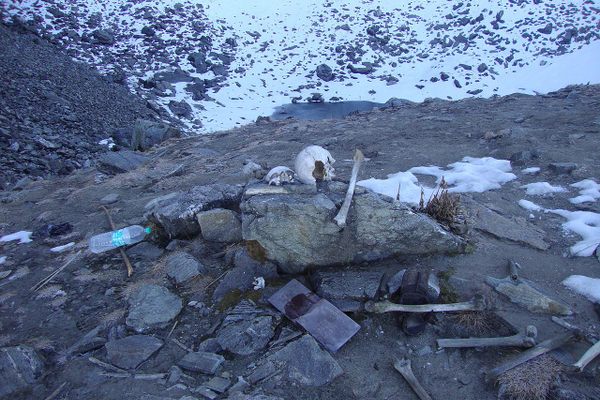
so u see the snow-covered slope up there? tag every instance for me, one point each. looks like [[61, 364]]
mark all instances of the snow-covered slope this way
[[239, 60]]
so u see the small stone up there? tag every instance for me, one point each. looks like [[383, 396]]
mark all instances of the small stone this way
[[482, 68], [305, 363], [245, 330], [563, 168], [110, 199], [20, 367], [347, 290], [131, 351], [218, 384], [174, 375], [104, 36], [210, 345], [220, 225], [324, 72], [206, 393], [145, 251], [182, 267], [423, 351], [206, 363], [152, 306]]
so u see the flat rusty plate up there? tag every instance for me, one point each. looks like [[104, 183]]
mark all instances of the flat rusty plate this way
[[327, 324]]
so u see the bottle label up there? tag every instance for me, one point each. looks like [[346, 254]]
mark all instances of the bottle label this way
[[117, 238]]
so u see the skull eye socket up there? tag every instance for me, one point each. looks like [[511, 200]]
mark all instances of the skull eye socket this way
[[319, 172]]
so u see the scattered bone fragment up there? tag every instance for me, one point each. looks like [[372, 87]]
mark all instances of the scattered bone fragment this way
[[280, 175], [476, 304], [525, 293], [340, 218], [541, 348], [588, 356], [403, 366], [522, 339]]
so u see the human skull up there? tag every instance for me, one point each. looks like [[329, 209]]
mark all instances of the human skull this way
[[279, 175], [314, 162]]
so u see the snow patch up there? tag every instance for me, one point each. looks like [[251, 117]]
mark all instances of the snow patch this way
[[588, 287], [588, 193], [587, 225], [108, 143], [469, 175], [542, 188], [530, 206], [21, 236], [2, 259], [531, 170]]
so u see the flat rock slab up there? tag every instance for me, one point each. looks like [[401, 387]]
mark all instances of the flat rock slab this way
[[151, 307], [347, 290], [298, 232], [131, 351], [246, 329], [183, 266], [176, 212], [20, 367], [241, 277], [200, 361], [145, 251], [501, 227], [220, 225], [305, 363], [116, 162]]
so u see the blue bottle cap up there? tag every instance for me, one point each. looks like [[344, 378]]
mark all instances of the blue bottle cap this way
[[147, 230]]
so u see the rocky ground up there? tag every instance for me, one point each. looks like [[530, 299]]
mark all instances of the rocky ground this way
[[189, 322], [54, 112]]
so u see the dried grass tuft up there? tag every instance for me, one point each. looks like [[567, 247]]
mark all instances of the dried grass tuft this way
[[532, 380], [442, 206]]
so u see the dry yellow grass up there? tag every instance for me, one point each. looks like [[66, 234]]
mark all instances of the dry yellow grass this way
[[532, 380]]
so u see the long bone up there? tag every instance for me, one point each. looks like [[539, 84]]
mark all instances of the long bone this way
[[529, 354], [522, 339], [340, 218], [591, 353], [476, 304], [403, 366]]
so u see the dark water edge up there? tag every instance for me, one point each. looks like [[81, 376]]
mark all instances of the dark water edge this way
[[318, 111]]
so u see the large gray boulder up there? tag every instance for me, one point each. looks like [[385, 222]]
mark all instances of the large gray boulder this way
[[297, 231], [20, 367], [144, 134], [176, 212]]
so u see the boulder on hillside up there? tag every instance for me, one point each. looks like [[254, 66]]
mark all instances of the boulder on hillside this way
[[297, 231]]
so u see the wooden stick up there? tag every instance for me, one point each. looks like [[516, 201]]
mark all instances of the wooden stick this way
[[49, 278], [216, 280], [56, 392], [123, 254], [340, 218], [403, 366], [542, 348], [172, 329], [104, 365], [181, 345]]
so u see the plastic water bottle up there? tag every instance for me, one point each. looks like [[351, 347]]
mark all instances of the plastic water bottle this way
[[112, 240]]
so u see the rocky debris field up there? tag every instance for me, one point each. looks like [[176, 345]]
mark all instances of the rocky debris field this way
[[216, 69], [194, 319], [55, 112]]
